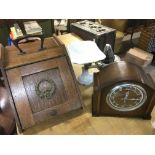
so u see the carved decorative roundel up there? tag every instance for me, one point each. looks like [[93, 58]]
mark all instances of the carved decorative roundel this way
[[45, 89]]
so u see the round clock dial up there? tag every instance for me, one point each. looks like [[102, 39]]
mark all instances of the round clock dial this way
[[126, 97]]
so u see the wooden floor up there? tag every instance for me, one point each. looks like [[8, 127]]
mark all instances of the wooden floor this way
[[81, 122]]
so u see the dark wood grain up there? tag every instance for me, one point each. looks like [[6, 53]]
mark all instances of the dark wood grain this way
[[119, 72], [7, 121], [113, 75], [8, 112], [13, 59], [68, 61], [59, 96], [20, 98], [24, 72]]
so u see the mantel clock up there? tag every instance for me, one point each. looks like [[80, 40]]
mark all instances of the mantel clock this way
[[123, 89]]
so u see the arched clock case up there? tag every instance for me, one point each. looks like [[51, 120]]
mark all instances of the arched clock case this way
[[123, 89]]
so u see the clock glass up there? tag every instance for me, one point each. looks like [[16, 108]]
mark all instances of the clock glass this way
[[126, 97]]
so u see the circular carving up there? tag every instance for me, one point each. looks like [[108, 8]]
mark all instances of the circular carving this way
[[45, 89]]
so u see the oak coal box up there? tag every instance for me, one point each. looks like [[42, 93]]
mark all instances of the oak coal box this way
[[41, 84]]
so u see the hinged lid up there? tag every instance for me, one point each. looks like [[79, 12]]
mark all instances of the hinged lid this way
[[53, 48]]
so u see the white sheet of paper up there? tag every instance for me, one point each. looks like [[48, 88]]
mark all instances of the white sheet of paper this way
[[83, 52]]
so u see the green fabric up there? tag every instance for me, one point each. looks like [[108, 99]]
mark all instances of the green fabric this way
[[4, 34], [46, 27]]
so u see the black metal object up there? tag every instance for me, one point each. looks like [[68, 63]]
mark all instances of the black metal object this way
[[17, 41], [132, 25], [109, 54], [89, 30]]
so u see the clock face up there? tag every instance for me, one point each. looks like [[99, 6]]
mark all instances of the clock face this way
[[126, 97]]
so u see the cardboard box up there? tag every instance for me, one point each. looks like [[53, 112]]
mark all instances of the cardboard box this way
[[139, 57]]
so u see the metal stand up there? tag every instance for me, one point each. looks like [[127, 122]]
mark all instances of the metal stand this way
[[85, 78]]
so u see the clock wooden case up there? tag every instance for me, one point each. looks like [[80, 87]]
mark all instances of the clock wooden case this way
[[41, 84], [123, 89]]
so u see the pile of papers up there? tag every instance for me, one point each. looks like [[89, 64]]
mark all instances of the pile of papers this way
[[15, 31], [83, 52], [32, 27]]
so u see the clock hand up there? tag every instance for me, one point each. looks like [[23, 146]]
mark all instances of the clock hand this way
[[132, 99], [126, 96], [124, 99]]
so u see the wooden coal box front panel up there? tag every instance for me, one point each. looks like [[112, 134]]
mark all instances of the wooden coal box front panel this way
[[36, 85], [42, 90]]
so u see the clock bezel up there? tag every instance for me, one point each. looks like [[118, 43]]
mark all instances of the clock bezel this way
[[129, 85]]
